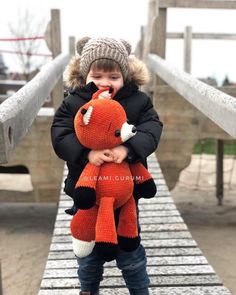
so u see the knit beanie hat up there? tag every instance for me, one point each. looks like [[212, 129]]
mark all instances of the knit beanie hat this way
[[91, 50]]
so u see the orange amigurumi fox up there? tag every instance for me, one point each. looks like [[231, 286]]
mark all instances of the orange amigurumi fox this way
[[102, 124]]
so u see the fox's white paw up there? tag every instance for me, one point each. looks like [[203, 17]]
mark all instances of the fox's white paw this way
[[82, 248]]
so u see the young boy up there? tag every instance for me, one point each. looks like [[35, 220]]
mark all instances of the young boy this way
[[106, 62]]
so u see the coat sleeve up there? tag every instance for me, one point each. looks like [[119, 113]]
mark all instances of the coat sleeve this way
[[64, 140], [149, 129]]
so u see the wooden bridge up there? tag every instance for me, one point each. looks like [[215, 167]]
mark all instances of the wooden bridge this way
[[175, 263]]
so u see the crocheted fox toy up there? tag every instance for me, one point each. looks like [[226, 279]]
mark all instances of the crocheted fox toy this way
[[102, 124]]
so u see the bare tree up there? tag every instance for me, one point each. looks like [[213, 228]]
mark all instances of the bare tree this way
[[26, 50], [3, 68]]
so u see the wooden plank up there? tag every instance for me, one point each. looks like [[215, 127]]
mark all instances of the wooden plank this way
[[157, 200], [194, 280], [182, 280], [153, 291], [189, 291], [162, 191], [166, 235], [66, 238], [142, 220], [167, 243], [142, 214], [158, 208], [150, 252], [168, 260], [145, 228], [63, 236], [176, 291], [153, 270], [203, 36], [211, 4]]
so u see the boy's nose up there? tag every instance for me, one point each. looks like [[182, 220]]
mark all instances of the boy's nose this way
[[105, 83]]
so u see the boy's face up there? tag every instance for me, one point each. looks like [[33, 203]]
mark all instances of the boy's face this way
[[103, 79]]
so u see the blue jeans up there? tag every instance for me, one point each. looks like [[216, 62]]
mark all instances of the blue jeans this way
[[132, 264]]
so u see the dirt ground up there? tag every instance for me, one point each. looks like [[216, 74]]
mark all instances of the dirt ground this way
[[213, 227], [26, 229], [25, 237]]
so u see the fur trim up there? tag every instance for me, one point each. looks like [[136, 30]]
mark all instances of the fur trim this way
[[138, 73], [72, 76]]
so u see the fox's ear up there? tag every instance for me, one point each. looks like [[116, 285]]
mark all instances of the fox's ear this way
[[87, 115], [104, 93]]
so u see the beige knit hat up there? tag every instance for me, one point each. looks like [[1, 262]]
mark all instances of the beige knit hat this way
[[91, 50]]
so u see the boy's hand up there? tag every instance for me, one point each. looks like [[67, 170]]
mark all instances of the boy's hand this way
[[119, 153], [98, 157]]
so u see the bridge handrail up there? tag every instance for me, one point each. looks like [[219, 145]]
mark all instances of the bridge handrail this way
[[216, 105], [18, 112]]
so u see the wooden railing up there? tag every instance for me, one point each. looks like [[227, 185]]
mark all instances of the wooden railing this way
[[214, 4], [213, 103], [216, 105], [18, 112]]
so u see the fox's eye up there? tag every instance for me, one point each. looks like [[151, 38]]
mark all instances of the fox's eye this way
[[117, 133], [83, 111]]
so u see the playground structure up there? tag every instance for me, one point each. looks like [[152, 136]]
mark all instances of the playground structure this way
[[197, 103], [190, 109], [174, 153], [21, 110]]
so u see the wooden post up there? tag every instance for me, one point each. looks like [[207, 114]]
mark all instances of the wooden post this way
[[1, 292], [55, 31], [142, 33], [187, 49], [58, 92], [54, 44], [155, 41], [72, 46], [158, 39], [139, 50], [219, 170], [148, 30]]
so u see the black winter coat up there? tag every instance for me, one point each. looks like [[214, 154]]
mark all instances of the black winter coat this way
[[139, 111]]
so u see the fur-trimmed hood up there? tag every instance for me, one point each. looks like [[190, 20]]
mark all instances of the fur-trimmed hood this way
[[138, 73]]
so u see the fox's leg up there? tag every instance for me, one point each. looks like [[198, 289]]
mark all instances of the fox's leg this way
[[83, 231], [85, 188], [144, 185], [128, 238], [106, 236]]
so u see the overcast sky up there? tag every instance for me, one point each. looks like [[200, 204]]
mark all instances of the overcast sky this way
[[123, 19]]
